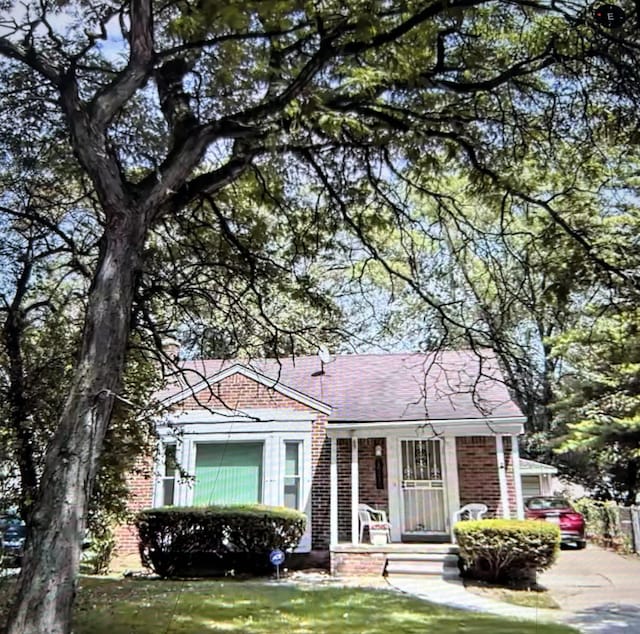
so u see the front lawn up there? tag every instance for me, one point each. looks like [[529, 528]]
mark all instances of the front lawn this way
[[523, 596], [137, 606]]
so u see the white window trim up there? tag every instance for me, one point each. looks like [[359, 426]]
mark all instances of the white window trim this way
[[158, 471], [272, 435], [299, 476]]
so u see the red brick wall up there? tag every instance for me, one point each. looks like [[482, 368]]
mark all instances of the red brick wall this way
[[344, 489], [320, 488], [368, 493], [140, 484], [358, 563], [478, 473], [240, 392]]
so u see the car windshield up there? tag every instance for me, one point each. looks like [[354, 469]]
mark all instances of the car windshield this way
[[542, 504]]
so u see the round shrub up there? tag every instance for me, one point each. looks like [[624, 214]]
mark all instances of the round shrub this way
[[212, 540], [502, 550]]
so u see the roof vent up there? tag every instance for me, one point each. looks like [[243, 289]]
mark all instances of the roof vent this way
[[325, 357]]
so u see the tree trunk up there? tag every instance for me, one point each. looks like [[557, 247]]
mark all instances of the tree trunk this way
[[47, 583]]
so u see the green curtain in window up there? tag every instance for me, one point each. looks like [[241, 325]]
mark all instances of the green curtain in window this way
[[228, 473]]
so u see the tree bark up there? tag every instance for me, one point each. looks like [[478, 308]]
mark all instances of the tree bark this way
[[47, 583]]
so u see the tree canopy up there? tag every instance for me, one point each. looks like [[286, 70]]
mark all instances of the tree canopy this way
[[228, 155]]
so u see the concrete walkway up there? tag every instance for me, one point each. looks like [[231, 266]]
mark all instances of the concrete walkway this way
[[453, 594], [598, 590]]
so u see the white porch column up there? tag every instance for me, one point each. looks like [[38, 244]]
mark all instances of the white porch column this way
[[502, 478], [452, 486], [333, 494], [355, 487], [517, 479]]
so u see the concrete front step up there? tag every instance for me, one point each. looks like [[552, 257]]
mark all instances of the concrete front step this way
[[419, 568], [442, 565], [444, 558], [445, 573]]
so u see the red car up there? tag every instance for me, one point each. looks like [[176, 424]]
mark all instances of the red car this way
[[560, 512]]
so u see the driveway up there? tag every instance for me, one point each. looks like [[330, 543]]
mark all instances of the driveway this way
[[600, 589]]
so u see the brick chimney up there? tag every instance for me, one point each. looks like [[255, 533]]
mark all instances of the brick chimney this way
[[171, 347]]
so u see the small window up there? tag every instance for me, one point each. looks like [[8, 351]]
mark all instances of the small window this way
[[169, 475], [292, 475]]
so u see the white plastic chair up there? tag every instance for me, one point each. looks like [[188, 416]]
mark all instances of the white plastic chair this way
[[368, 515], [473, 511]]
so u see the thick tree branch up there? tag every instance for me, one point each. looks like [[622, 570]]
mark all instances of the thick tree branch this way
[[112, 97], [520, 69], [94, 153], [174, 101], [394, 34], [209, 182], [29, 56]]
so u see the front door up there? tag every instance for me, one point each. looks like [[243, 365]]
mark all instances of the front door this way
[[423, 494]]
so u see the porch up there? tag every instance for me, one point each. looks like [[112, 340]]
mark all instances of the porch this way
[[420, 480], [368, 559]]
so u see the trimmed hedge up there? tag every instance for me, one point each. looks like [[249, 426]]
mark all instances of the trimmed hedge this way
[[212, 540], [502, 550]]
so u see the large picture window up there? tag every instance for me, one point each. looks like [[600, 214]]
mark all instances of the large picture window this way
[[228, 473], [253, 463]]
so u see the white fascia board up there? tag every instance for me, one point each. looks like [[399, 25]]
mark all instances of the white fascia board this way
[[229, 416], [460, 427], [250, 421], [538, 470], [255, 376], [232, 428]]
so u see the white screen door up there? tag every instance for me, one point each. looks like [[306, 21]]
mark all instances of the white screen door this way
[[423, 495]]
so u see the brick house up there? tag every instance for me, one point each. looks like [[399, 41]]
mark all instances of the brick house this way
[[416, 435]]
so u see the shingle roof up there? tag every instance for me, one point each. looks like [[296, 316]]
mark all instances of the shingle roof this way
[[442, 385]]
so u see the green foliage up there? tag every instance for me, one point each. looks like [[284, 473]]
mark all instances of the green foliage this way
[[500, 550], [100, 549], [249, 142], [179, 541], [600, 397], [602, 521], [256, 293]]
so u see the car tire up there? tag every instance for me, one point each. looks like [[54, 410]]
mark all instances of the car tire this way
[[581, 545]]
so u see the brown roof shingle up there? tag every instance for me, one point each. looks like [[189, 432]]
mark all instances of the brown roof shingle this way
[[407, 386]]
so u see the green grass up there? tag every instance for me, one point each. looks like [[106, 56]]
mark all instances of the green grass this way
[[528, 598], [136, 606]]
